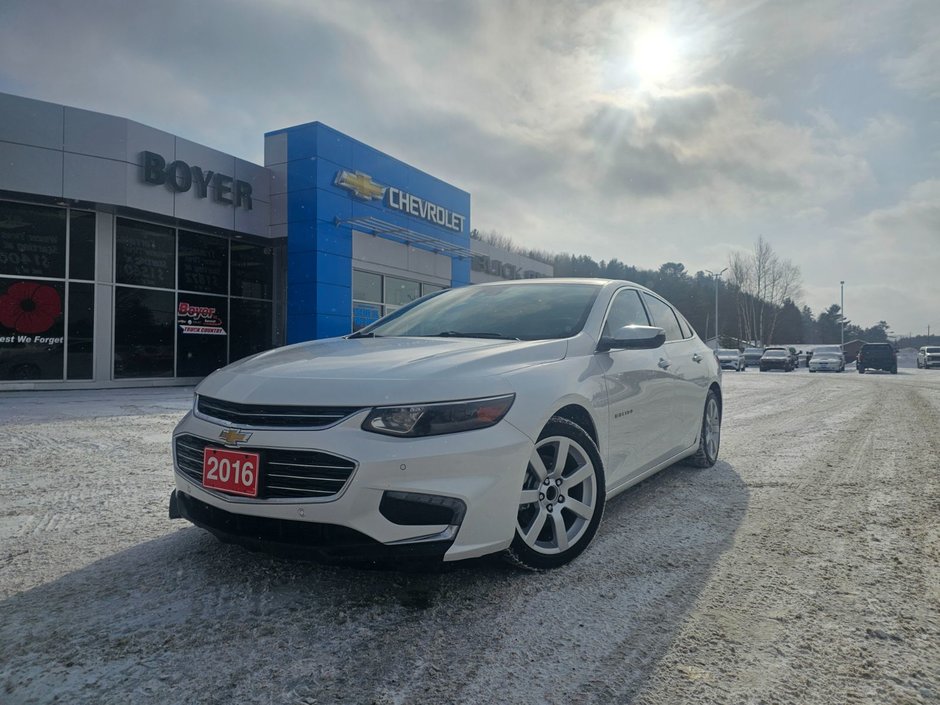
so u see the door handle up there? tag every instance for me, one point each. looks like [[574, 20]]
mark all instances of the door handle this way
[[664, 363], [697, 357]]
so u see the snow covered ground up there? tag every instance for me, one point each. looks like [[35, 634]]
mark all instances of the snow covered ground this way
[[803, 568]]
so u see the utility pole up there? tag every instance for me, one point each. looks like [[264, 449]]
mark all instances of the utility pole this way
[[842, 310], [717, 277]]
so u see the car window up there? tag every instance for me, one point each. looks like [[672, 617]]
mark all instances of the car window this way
[[527, 311], [663, 316], [684, 326], [625, 310]]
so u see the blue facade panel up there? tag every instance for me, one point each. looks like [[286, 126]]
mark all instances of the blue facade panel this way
[[319, 235]]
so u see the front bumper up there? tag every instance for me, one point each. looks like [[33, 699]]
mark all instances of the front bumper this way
[[484, 469]]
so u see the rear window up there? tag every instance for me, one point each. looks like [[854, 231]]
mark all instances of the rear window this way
[[932, 350]]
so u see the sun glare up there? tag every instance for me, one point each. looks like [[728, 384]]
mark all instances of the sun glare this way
[[655, 57]]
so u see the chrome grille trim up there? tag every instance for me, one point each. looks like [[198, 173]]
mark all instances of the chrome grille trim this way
[[320, 477], [273, 415]]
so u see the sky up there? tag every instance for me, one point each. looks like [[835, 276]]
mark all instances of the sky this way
[[649, 132]]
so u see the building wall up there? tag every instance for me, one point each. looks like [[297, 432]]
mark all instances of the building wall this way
[[491, 264], [318, 215], [79, 155]]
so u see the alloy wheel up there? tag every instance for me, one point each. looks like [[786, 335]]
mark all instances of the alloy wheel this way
[[559, 496], [712, 427]]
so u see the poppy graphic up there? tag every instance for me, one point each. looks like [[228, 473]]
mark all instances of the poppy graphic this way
[[28, 307]]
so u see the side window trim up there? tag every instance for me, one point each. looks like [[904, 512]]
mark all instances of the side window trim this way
[[613, 300], [675, 315]]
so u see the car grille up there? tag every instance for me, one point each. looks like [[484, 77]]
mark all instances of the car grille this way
[[284, 473], [273, 415]]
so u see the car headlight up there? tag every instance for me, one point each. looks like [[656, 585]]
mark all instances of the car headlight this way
[[435, 419]]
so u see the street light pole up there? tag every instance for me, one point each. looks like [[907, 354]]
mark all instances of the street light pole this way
[[717, 277], [842, 310]]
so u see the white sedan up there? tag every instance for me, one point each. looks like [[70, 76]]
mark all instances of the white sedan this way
[[827, 358], [497, 417]]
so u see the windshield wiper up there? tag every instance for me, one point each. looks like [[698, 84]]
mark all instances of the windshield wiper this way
[[364, 335], [460, 334]]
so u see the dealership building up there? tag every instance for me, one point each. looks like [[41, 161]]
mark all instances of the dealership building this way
[[130, 256]]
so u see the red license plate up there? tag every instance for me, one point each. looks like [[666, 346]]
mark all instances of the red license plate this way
[[230, 471]]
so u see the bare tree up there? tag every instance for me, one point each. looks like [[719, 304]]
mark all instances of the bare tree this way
[[763, 282]]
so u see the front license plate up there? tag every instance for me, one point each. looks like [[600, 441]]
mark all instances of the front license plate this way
[[230, 471]]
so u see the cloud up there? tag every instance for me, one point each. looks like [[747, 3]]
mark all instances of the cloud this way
[[536, 109]]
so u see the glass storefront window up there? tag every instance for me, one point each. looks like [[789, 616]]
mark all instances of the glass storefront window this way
[[201, 344], [399, 292], [376, 295], [32, 329], [81, 330], [81, 245], [250, 326], [143, 332], [33, 240], [364, 314], [145, 254], [367, 286], [252, 271], [203, 263]]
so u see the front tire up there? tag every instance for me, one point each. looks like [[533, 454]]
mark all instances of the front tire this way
[[710, 436], [562, 499]]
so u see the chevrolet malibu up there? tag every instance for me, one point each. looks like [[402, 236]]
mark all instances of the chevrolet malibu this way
[[491, 418]]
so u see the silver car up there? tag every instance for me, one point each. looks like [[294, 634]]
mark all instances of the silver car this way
[[928, 356], [731, 359]]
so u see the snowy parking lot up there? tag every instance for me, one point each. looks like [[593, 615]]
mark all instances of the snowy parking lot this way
[[803, 568]]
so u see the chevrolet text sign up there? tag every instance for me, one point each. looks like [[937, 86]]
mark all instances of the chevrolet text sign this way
[[364, 187]]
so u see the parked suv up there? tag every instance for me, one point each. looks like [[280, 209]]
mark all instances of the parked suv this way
[[928, 356], [877, 356], [752, 356]]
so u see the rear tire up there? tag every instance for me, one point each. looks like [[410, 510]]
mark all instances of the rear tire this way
[[709, 442], [562, 498]]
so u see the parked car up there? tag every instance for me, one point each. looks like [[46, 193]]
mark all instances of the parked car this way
[[496, 417], [827, 361], [776, 359], [877, 356], [928, 356], [791, 353], [752, 356], [730, 359]]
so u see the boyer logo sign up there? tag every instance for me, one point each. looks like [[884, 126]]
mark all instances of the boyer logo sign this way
[[198, 320]]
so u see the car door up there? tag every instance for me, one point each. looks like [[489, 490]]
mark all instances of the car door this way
[[685, 371], [637, 395]]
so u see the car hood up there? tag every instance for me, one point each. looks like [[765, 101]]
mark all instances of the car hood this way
[[370, 371]]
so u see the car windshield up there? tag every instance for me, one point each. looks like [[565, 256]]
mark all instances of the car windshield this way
[[536, 311], [753, 351], [728, 353], [827, 356], [932, 351], [775, 353], [829, 349]]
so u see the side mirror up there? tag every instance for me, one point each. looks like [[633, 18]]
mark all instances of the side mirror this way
[[633, 338]]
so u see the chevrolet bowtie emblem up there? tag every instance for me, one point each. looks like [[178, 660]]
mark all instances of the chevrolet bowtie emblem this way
[[360, 184], [232, 438]]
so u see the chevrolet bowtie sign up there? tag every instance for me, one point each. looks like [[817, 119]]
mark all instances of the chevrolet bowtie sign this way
[[364, 187]]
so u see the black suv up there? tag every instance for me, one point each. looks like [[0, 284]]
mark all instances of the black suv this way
[[877, 356]]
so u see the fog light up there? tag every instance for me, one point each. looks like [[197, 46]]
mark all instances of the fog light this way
[[413, 509]]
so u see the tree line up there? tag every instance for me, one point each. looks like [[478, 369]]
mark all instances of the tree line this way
[[758, 300]]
